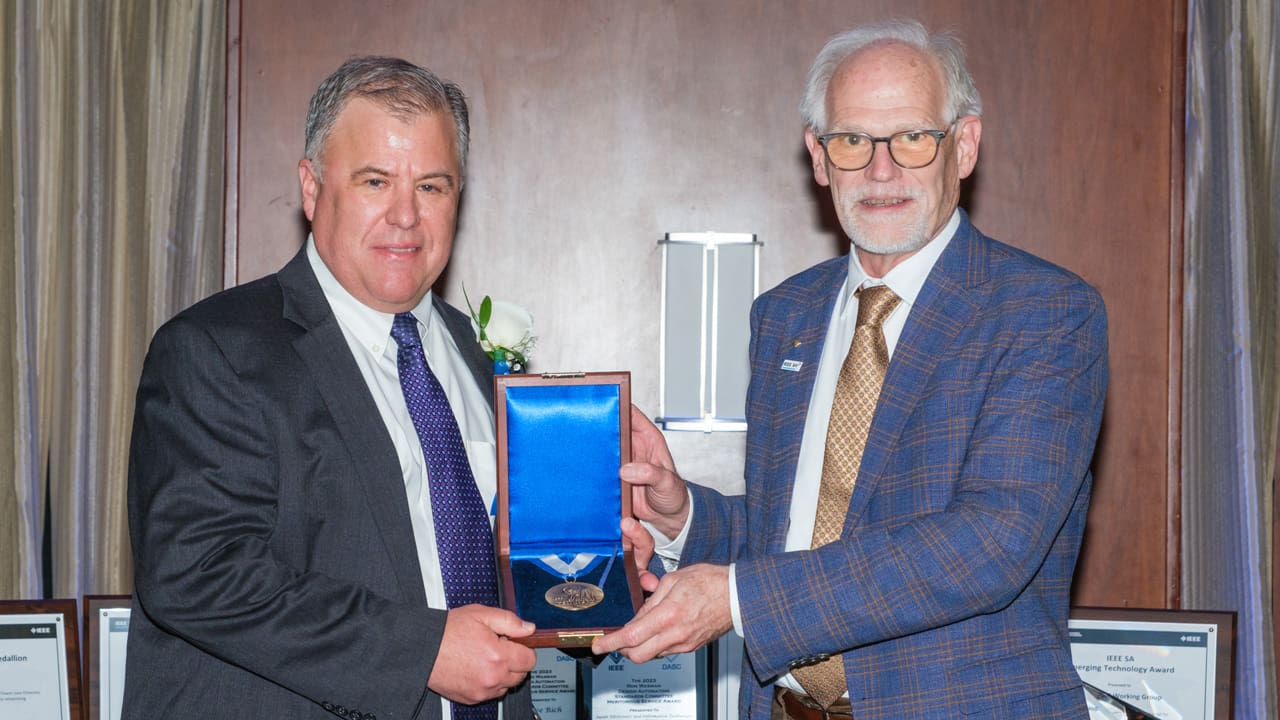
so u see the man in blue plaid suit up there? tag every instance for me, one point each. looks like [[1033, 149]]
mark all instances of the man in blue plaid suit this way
[[946, 592]]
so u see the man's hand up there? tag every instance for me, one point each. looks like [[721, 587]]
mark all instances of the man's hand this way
[[689, 609], [477, 662], [642, 551], [658, 494]]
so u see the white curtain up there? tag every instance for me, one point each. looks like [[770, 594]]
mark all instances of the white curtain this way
[[111, 158], [1231, 388]]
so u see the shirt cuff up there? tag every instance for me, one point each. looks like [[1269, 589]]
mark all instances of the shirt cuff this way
[[669, 549], [734, 611]]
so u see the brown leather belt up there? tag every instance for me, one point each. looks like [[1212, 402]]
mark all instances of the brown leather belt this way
[[796, 706]]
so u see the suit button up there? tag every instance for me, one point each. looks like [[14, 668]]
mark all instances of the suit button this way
[[807, 660], [341, 711], [327, 706]]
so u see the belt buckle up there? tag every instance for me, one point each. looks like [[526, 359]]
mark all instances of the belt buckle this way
[[808, 704]]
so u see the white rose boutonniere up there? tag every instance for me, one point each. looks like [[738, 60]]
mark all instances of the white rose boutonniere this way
[[505, 333]]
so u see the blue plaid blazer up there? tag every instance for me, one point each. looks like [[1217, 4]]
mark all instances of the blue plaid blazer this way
[[948, 592]]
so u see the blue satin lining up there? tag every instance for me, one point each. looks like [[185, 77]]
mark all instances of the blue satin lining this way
[[564, 496], [563, 455]]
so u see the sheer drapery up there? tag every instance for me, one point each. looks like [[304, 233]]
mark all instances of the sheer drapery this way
[[20, 504], [1231, 389], [113, 165]]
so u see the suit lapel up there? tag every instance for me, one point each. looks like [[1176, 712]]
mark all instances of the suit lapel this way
[[803, 336], [946, 304], [337, 379], [464, 338]]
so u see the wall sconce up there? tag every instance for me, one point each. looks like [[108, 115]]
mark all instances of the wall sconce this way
[[708, 283]]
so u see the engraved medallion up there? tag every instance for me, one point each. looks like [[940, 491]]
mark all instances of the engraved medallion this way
[[574, 596]]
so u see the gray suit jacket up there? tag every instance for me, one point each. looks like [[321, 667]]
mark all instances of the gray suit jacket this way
[[276, 574]]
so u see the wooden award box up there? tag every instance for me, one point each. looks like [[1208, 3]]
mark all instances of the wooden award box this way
[[564, 564]]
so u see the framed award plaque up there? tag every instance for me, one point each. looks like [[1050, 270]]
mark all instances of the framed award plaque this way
[[1165, 663], [564, 564], [106, 635], [39, 655], [556, 686], [674, 687]]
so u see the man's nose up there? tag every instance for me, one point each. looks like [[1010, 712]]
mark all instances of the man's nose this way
[[882, 167], [403, 212]]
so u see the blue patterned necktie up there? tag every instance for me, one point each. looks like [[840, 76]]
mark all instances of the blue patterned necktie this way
[[464, 540]]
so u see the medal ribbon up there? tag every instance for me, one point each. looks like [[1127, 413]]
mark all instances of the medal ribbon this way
[[582, 562]]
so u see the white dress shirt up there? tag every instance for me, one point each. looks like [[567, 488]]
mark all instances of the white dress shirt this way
[[368, 334]]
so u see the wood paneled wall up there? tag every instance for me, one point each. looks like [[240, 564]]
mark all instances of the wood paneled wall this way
[[598, 126]]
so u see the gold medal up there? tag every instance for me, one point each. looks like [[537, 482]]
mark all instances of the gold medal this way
[[574, 596]]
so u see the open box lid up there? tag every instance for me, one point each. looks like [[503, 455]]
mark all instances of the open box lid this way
[[564, 563]]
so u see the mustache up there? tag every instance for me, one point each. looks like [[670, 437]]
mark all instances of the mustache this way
[[887, 194]]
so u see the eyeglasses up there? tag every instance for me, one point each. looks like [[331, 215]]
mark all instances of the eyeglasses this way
[[910, 149]]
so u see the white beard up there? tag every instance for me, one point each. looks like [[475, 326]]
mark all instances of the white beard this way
[[885, 239]]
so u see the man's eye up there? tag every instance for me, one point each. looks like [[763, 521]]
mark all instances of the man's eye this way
[[912, 137], [428, 187], [375, 182], [852, 140]]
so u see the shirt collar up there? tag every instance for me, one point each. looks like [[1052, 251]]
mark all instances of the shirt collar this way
[[907, 278], [371, 328]]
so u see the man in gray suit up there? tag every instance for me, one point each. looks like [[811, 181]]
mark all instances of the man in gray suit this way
[[290, 560]]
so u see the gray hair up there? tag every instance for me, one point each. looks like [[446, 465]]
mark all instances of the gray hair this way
[[961, 95], [402, 88]]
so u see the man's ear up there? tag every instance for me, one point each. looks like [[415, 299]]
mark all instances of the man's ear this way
[[968, 137], [818, 155], [310, 183]]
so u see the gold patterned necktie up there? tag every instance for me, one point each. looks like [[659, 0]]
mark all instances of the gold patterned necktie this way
[[857, 391]]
